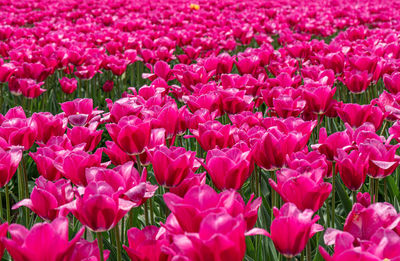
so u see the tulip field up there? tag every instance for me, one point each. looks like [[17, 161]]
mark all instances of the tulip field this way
[[199, 130]]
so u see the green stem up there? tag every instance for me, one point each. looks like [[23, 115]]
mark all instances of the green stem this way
[[100, 243], [118, 243], [376, 190], [385, 190], [151, 211], [354, 196], [8, 209], [139, 164], [308, 250], [146, 214]]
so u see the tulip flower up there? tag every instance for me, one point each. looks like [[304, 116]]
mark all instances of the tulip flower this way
[[87, 251], [144, 244], [46, 197], [356, 81], [9, 161], [318, 99], [291, 229], [362, 222], [108, 86], [72, 164], [80, 112], [131, 134], [305, 190], [352, 168], [87, 135], [45, 241], [200, 199], [68, 85], [382, 158], [19, 131], [171, 165], [55, 125], [229, 168], [392, 82], [212, 134], [99, 207], [329, 145]]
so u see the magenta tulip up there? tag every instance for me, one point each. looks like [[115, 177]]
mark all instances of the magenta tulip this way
[[291, 229]]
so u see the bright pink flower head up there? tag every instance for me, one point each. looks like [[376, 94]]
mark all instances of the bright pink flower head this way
[[356, 81], [168, 119], [87, 251], [318, 99], [229, 168], [46, 197], [212, 134], [392, 82], [87, 135], [282, 138], [9, 161], [171, 165], [72, 165], [199, 201], [108, 86], [99, 207], [19, 131], [68, 85], [382, 158], [55, 125], [235, 101], [131, 134], [362, 222], [352, 168], [44, 159], [144, 244], [220, 237], [116, 155], [137, 188], [356, 115], [45, 241], [306, 190], [291, 229], [329, 145], [191, 180], [80, 112], [307, 161], [6, 71], [334, 61]]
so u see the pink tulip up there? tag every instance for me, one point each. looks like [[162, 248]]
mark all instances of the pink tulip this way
[[144, 244], [382, 158], [87, 251], [72, 164], [80, 112], [87, 135], [68, 85], [46, 197], [55, 125], [171, 165], [9, 161], [213, 134], [352, 168], [229, 168], [108, 86], [392, 82], [45, 241], [200, 200], [99, 207], [131, 134], [356, 81], [306, 190], [291, 229]]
